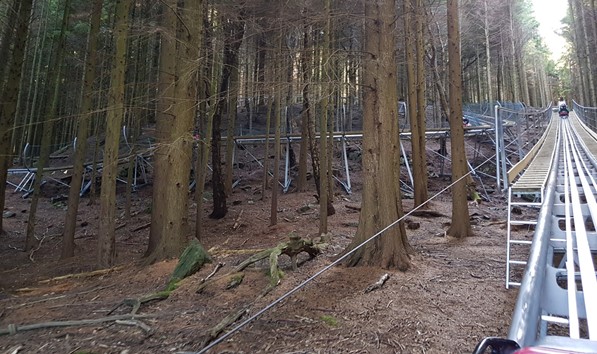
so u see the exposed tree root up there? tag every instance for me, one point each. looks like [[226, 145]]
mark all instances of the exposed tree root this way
[[191, 260], [232, 317], [215, 331], [292, 248]]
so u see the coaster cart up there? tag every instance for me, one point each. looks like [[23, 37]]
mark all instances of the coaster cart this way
[[494, 345]]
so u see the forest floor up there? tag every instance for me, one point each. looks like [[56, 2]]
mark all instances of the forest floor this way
[[451, 297]]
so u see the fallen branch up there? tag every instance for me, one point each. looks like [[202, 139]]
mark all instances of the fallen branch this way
[[216, 251], [36, 301], [237, 221], [493, 223], [14, 350], [135, 304], [351, 207], [135, 323], [14, 329], [38, 246], [428, 214], [213, 272], [59, 297], [83, 275], [378, 284]]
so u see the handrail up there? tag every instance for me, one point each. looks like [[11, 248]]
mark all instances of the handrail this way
[[500, 141], [587, 115]]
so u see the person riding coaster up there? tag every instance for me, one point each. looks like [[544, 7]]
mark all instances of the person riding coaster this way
[[563, 112], [563, 108]]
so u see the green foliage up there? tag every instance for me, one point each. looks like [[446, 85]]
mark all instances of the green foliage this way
[[80, 28], [173, 285], [191, 260], [235, 280], [329, 320]]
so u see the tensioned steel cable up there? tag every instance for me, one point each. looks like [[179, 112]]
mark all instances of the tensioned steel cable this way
[[325, 269]]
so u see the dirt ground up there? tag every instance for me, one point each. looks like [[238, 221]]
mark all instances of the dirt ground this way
[[452, 296]]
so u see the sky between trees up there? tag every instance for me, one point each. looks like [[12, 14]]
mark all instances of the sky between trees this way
[[549, 14]]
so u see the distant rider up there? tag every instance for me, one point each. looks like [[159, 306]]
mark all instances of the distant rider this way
[[562, 108], [562, 103]]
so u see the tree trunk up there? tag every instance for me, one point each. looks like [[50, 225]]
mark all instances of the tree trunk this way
[[582, 96], [10, 95], [107, 237], [419, 155], [460, 226], [8, 37], [513, 55], [175, 231], [589, 73], [268, 125], [490, 97], [278, 76], [304, 143], [164, 118], [381, 204], [232, 103], [48, 128], [324, 197], [593, 21], [233, 32], [204, 126], [307, 65], [68, 238]]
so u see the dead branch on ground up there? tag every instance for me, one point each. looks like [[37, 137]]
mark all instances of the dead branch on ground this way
[[14, 329], [213, 272], [378, 284], [83, 275]]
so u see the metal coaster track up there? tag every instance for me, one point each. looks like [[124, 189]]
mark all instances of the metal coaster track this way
[[556, 308]]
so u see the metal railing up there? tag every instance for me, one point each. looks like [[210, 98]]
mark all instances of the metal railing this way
[[516, 132], [587, 115]]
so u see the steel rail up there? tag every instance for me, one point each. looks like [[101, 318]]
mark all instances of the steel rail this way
[[587, 268], [570, 268]]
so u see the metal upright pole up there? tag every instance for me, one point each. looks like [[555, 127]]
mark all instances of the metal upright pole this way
[[497, 149]]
